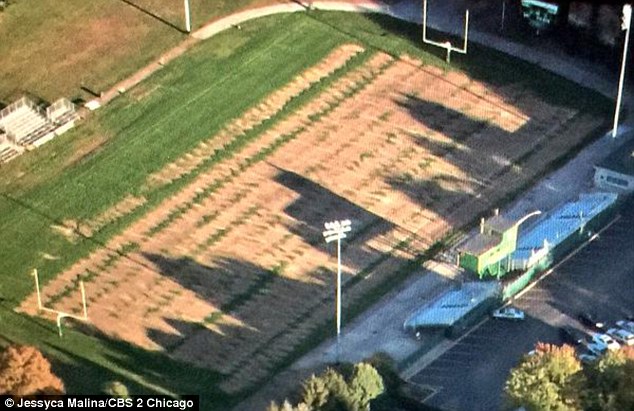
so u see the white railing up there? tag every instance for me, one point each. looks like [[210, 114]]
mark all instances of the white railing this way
[[59, 109], [17, 105]]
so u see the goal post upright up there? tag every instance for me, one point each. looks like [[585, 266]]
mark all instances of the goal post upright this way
[[61, 314], [447, 44]]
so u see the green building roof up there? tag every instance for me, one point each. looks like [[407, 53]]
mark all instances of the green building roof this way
[[621, 160]]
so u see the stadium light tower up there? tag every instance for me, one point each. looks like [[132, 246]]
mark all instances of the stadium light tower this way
[[625, 25], [336, 230], [188, 18]]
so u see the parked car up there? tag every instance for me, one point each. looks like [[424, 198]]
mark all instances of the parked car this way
[[571, 335], [588, 357], [590, 320], [622, 336], [508, 313], [596, 349], [604, 340], [626, 325]]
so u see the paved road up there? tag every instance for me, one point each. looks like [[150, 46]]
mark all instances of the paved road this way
[[600, 278]]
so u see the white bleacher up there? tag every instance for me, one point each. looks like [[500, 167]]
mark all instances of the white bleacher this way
[[26, 124], [62, 113], [8, 150]]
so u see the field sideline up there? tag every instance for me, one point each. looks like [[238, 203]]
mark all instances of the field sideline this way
[[156, 123]]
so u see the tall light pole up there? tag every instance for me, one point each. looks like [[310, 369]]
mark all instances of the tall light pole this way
[[336, 230], [625, 25], [188, 19]]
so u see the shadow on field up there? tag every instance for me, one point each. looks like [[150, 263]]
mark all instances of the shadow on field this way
[[317, 205], [153, 15], [479, 149], [261, 314], [137, 369]]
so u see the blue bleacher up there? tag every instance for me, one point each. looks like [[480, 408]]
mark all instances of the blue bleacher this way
[[560, 224]]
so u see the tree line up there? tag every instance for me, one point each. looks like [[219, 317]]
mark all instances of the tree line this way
[[553, 379]]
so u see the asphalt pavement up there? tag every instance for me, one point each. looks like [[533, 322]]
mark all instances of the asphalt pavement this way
[[599, 278]]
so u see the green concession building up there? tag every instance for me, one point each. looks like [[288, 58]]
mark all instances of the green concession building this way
[[488, 253]]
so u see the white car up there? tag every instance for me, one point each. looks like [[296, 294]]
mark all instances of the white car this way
[[626, 325], [508, 313], [622, 336], [605, 341]]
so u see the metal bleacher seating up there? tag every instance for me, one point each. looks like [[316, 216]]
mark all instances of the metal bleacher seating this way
[[8, 150], [24, 125]]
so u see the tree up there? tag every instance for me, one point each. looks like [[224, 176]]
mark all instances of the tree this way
[[116, 389], [365, 385], [25, 371], [315, 392], [286, 406], [548, 380], [337, 392], [331, 392], [610, 382]]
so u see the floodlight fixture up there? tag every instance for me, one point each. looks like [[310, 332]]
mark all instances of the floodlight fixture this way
[[336, 230]]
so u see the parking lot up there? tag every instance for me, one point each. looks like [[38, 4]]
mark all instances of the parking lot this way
[[470, 376]]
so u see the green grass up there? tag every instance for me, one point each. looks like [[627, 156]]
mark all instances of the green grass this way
[[40, 43], [189, 100], [86, 362], [201, 94]]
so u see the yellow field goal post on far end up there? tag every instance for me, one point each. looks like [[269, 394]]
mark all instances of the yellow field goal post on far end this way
[[61, 314]]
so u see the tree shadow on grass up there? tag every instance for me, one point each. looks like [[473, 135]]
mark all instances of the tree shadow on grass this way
[[440, 191], [317, 205], [85, 359], [142, 371], [259, 324], [153, 15]]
